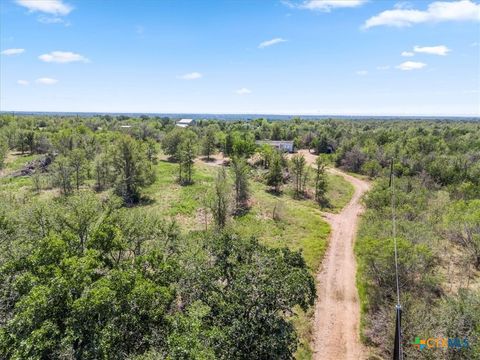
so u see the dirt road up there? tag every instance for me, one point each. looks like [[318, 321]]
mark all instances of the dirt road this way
[[337, 310]]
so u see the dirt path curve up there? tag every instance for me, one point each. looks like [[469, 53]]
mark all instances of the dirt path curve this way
[[337, 309]]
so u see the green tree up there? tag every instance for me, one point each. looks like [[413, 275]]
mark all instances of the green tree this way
[[102, 167], [3, 152], [240, 171], [321, 183], [298, 167], [187, 153], [463, 226], [229, 144], [172, 141], [78, 162], [275, 173], [321, 144], [219, 202], [209, 141], [132, 170], [63, 174], [267, 153], [252, 309]]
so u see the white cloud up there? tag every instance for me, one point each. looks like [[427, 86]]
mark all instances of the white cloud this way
[[62, 57], [407, 53], [403, 5], [23, 82], [463, 10], [46, 81], [191, 76], [267, 43], [328, 5], [10, 52], [362, 72], [243, 91], [55, 7], [411, 65], [441, 50], [383, 67], [52, 20]]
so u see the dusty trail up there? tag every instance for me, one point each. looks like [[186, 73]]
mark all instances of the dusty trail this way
[[337, 309]]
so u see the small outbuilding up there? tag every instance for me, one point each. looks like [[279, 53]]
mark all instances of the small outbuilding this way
[[282, 145], [185, 123]]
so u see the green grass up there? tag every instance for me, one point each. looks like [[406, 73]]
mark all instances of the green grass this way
[[182, 203], [17, 161], [339, 192]]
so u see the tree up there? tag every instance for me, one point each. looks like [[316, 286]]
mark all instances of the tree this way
[[151, 150], [299, 172], [371, 168], [353, 159], [171, 142], [3, 152], [463, 227], [275, 173], [209, 141], [242, 288], [132, 170], [187, 152], [240, 172], [276, 132], [63, 174], [78, 163], [266, 153], [229, 144], [321, 183], [78, 217], [29, 138], [321, 145], [103, 172], [220, 199]]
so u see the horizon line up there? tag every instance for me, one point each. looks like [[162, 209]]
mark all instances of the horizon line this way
[[477, 116]]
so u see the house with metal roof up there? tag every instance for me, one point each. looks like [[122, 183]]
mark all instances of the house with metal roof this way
[[281, 145], [185, 123]]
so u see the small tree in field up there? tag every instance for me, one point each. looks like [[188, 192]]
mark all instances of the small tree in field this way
[[131, 168], [63, 174], [320, 181], [240, 172], [220, 199], [186, 156], [275, 173], [298, 165], [209, 140], [78, 162]]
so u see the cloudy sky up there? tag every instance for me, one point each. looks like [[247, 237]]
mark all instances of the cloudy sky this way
[[277, 57]]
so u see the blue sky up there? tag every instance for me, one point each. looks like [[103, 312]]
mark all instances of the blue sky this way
[[264, 56]]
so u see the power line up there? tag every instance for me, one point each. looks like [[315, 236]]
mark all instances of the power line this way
[[397, 350]]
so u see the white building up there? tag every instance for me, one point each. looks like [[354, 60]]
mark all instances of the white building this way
[[281, 145], [185, 123]]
